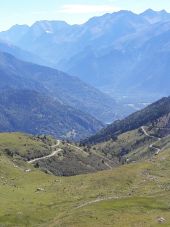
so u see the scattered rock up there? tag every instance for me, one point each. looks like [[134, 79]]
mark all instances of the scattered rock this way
[[16, 166], [28, 170], [161, 220], [40, 190]]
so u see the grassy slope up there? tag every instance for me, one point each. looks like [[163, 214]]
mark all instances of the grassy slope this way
[[70, 160], [24, 145], [141, 192]]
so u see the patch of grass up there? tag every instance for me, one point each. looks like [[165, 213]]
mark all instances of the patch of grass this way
[[135, 211]]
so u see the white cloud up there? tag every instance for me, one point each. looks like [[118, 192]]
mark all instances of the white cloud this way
[[85, 9]]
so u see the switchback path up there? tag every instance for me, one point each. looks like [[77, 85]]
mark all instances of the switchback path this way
[[48, 156], [152, 145]]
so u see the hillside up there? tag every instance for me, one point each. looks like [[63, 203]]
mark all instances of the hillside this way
[[147, 116], [32, 112], [138, 137], [51, 156], [138, 192], [19, 146], [66, 89]]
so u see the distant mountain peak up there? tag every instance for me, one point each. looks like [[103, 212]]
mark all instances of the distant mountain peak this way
[[18, 27], [151, 12], [163, 11], [155, 16], [49, 27], [47, 22], [125, 12]]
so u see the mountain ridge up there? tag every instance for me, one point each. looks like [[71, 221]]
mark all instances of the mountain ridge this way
[[68, 89]]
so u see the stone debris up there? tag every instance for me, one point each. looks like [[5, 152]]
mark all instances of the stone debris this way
[[40, 190], [28, 170], [161, 220]]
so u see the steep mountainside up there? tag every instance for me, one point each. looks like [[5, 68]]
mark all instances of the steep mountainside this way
[[68, 90], [147, 116], [142, 135], [31, 112]]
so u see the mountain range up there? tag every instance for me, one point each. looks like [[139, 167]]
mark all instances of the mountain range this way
[[122, 52]]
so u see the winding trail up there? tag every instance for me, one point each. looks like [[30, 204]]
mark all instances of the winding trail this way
[[152, 145], [47, 156], [96, 201]]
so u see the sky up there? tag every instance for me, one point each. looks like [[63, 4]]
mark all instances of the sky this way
[[72, 11]]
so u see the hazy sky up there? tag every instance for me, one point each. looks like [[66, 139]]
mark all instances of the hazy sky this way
[[73, 11]]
